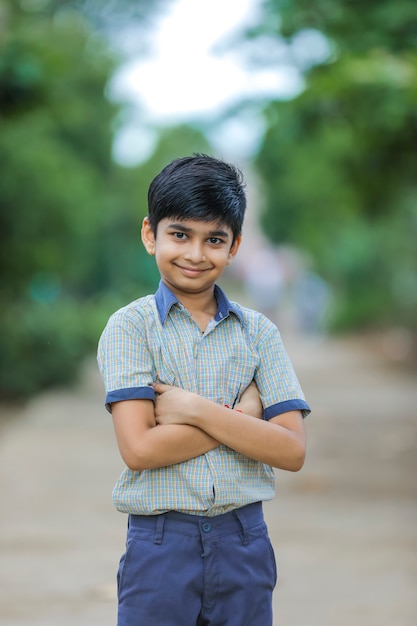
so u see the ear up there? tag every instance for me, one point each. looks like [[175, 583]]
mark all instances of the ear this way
[[233, 250], [148, 238]]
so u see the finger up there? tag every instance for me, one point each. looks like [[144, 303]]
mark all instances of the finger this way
[[161, 387]]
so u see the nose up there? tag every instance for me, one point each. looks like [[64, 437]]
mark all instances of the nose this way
[[195, 252]]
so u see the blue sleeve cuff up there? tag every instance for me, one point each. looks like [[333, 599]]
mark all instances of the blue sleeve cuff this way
[[130, 393], [285, 407]]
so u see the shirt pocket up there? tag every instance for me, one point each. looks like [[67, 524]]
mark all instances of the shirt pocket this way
[[237, 372], [164, 374], [164, 370]]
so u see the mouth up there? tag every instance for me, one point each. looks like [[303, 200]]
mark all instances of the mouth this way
[[191, 272]]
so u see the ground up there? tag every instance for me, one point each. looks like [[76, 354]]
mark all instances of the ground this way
[[344, 528]]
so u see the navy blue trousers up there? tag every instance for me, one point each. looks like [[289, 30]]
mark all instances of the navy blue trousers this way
[[188, 570]]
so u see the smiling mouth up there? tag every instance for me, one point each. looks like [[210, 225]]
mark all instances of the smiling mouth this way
[[191, 271]]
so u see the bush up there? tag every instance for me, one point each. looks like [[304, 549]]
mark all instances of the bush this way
[[43, 344]]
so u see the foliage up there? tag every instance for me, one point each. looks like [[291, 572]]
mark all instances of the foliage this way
[[43, 343], [106, 17], [70, 250], [339, 160]]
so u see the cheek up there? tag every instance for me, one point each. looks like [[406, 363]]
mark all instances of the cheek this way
[[166, 250], [226, 256]]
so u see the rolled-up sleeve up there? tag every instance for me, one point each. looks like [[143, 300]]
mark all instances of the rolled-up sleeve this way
[[124, 360], [276, 380]]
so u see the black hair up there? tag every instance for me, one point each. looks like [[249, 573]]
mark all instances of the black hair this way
[[198, 187]]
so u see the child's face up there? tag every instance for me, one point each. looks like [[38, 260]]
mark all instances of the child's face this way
[[190, 255]]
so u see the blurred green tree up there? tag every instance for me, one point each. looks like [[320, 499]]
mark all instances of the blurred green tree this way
[[55, 195], [70, 251], [339, 160]]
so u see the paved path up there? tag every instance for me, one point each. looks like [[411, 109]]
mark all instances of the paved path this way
[[344, 529]]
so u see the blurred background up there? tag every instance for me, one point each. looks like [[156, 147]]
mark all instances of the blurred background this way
[[317, 103]]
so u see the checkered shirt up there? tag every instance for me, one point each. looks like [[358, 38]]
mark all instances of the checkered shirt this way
[[155, 338]]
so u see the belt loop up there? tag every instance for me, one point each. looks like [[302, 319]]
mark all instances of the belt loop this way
[[242, 522], [159, 528]]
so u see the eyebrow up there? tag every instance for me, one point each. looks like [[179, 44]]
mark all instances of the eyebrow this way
[[210, 233]]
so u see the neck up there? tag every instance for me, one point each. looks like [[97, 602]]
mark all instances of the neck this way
[[200, 303]]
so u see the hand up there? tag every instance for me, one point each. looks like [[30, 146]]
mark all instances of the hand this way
[[174, 405], [250, 401]]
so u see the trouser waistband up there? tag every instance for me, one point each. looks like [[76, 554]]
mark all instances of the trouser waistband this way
[[240, 520]]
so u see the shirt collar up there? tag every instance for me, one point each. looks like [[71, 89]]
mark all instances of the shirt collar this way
[[165, 300]]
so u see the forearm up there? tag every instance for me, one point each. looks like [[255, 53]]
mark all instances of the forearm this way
[[267, 442], [163, 445], [174, 443]]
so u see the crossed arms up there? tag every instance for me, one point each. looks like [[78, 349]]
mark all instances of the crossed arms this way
[[182, 425]]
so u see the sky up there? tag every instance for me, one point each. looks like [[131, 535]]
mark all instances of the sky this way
[[184, 78]]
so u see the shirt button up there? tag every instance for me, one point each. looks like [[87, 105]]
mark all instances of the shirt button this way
[[206, 527]]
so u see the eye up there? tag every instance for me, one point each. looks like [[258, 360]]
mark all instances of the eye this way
[[215, 241], [179, 235]]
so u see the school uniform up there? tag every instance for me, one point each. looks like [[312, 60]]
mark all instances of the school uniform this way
[[197, 549]]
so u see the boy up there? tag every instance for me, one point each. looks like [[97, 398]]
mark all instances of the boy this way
[[178, 368]]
